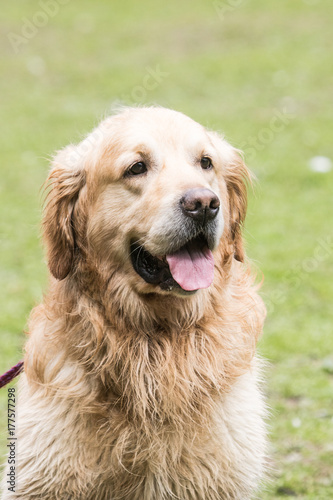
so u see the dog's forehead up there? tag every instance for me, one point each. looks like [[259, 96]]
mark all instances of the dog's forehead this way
[[159, 134], [156, 127]]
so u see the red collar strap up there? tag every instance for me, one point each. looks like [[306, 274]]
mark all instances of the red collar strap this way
[[11, 374]]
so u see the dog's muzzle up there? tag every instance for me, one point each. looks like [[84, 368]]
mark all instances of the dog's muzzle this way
[[189, 264]]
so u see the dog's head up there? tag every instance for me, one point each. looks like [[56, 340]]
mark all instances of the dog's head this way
[[151, 196]]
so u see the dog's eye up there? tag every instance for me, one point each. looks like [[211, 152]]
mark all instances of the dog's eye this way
[[206, 163], [137, 168]]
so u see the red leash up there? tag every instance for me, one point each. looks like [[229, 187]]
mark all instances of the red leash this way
[[11, 374]]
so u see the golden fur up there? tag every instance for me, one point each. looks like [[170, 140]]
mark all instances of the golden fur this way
[[131, 392]]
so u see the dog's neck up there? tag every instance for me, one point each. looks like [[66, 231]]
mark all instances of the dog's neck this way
[[171, 366]]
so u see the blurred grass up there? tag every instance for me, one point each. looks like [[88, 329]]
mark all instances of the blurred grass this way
[[231, 68]]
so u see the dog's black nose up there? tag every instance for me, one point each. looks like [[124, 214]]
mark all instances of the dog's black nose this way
[[201, 204]]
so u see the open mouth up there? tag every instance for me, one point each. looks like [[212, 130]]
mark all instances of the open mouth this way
[[188, 268]]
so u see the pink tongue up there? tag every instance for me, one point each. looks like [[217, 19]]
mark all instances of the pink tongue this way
[[192, 267]]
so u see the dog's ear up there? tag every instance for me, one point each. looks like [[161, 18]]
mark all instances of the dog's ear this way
[[64, 183], [237, 179]]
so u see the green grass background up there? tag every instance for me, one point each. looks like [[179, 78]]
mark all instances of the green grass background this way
[[232, 65]]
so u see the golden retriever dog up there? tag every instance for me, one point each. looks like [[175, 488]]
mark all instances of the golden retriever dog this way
[[141, 381]]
